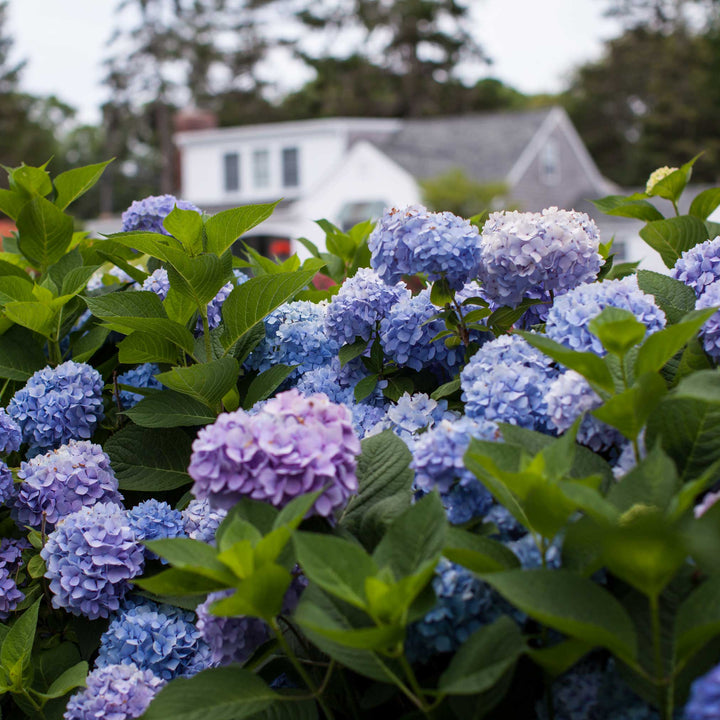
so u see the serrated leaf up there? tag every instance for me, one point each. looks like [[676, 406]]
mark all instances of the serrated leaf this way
[[198, 277], [141, 347], [187, 227], [226, 227], [350, 352], [170, 409], [621, 206], [44, 231], [72, 678], [365, 387], [18, 643], [207, 382], [71, 184], [672, 237], [477, 553], [705, 203], [84, 347], [674, 298], [266, 383]]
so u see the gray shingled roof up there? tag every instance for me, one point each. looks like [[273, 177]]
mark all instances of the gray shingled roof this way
[[486, 146]]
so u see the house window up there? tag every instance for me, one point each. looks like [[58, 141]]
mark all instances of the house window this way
[[290, 167], [261, 168], [231, 162], [550, 163], [353, 213]]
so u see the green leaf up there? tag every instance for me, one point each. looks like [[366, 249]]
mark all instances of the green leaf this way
[[29, 180], [76, 280], [337, 566], [350, 352], [72, 678], [671, 186], [71, 184], [142, 347], [224, 228], [502, 319], [446, 389], [675, 298], [228, 693], [426, 523], [620, 205], [618, 330], [198, 277], [697, 620], [34, 316], [558, 659], [152, 460], [672, 237], [206, 382], [18, 643], [365, 387], [441, 293], [44, 231], [483, 659], [705, 203], [20, 354], [192, 555], [260, 595], [187, 227], [477, 553], [569, 603], [266, 383], [11, 203], [179, 583], [170, 409], [149, 243], [250, 302]]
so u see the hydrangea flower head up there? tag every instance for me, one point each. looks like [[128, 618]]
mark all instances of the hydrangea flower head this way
[[159, 638], [570, 314], [158, 282], [10, 596], [142, 376], [292, 445], [153, 520], [90, 557], [507, 381], [148, 214], [411, 414], [114, 692], [413, 240], [57, 405], [360, 304], [7, 485], [656, 176], [200, 521], [704, 702], [10, 433], [537, 255], [710, 331], [699, 266], [62, 481], [11, 552]]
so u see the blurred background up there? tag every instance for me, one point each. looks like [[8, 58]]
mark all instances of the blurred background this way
[[82, 81]]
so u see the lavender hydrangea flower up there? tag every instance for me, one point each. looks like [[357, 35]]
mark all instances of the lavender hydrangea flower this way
[[62, 481], [699, 266], [10, 596], [507, 381], [142, 376], [231, 639], [158, 282], [360, 304], [7, 485], [153, 520], [537, 255], [411, 414], [413, 240], [704, 702], [710, 332], [148, 214], [706, 503], [568, 397], [90, 557], [438, 463], [568, 318], [57, 405], [114, 692], [159, 638], [10, 433], [201, 522], [292, 445], [11, 552]]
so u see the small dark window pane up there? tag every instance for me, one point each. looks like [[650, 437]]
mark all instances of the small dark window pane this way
[[232, 171], [291, 171]]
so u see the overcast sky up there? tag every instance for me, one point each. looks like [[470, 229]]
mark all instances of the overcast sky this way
[[535, 44]]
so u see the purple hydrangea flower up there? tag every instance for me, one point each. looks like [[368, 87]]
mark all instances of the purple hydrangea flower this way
[[292, 445], [214, 308], [148, 214], [10, 596], [57, 405], [507, 381], [413, 240], [710, 332], [570, 314], [159, 638], [438, 463], [142, 376], [10, 433], [706, 503], [568, 397], [360, 304], [704, 702], [90, 557], [699, 266], [152, 520], [158, 282], [114, 692], [201, 521], [11, 553], [231, 639], [62, 481], [7, 485], [537, 255]]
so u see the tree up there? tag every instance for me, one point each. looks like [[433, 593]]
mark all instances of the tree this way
[[456, 192], [664, 15]]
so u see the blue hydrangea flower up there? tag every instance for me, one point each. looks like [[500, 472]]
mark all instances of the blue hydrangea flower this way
[[576, 693], [7, 485], [158, 282], [11, 553], [413, 413], [10, 596], [508, 528], [507, 381], [142, 376], [231, 639], [148, 214], [704, 702], [568, 397], [360, 304], [159, 638], [295, 334], [710, 332], [537, 255], [10, 433], [62, 481], [214, 308], [97, 280], [201, 522], [438, 463], [529, 554], [568, 318], [152, 520], [57, 405], [90, 557], [699, 266], [413, 240], [626, 461], [114, 692]]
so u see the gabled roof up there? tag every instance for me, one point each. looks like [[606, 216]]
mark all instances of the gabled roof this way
[[486, 145]]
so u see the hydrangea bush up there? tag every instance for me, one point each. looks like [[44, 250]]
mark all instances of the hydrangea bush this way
[[474, 478]]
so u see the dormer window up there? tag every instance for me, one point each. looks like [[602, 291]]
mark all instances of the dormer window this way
[[550, 163], [231, 166], [290, 167], [261, 168]]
